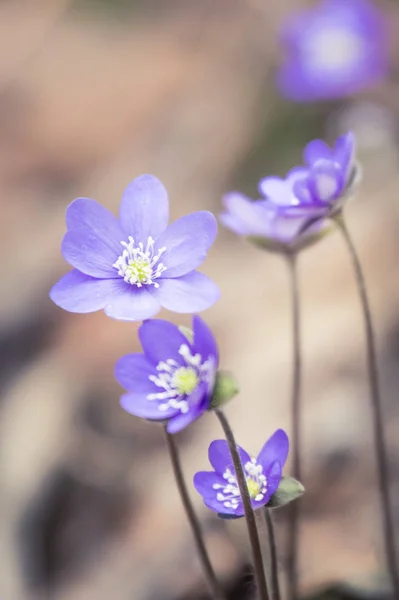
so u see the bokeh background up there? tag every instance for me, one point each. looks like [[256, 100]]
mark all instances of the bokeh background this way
[[93, 94]]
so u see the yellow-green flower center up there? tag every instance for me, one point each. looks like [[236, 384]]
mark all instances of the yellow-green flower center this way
[[139, 264], [254, 487], [185, 379], [139, 270]]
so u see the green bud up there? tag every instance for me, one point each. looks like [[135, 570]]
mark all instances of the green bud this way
[[289, 489], [226, 387]]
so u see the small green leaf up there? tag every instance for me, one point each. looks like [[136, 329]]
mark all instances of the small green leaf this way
[[226, 387], [289, 489]]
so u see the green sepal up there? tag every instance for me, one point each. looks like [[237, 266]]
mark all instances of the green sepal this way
[[288, 490], [226, 387]]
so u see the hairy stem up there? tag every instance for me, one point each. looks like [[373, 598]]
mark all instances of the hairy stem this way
[[293, 521], [213, 583], [378, 425], [249, 512]]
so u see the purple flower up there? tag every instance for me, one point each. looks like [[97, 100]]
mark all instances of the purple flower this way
[[219, 487], [333, 49], [174, 379], [294, 210], [329, 176], [133, 265], [280, 220]]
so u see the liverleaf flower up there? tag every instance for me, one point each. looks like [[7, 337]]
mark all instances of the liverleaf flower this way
[[173, 379], [132, 266], [219, 488], [329, 177], [334, 49], [293, 212]]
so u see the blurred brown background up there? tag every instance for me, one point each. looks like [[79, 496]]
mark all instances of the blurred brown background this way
[[93, 94]]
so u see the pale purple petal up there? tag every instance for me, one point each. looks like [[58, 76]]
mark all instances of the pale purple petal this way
[[286, 227], [276, 190], [273, 476], [132, 371], [204, 341], [326, 181], [275, 449], [88, 215], [218, 507], [198, 403], [181, 421], [136, 403], [190, 293], [144, 209], [344, 154], [161, 340], [296, 174], [234, 223], [81, 293], [130, 303], [90, 254], [246, 217], [187, 242], [220, 457], [204, 481], [316, 150]]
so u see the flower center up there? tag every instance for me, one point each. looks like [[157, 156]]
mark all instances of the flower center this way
[[333, 49], [178, 381], [185, 379], [138, 265], [229, 494], [254, 487]]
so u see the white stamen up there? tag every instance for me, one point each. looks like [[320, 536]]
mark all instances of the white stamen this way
[[230, 495], [138, 265], [177, 381]]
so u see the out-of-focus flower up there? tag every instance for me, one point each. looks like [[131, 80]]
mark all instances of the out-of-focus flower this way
[[294, 210], [334, 49], [219, 487], [174, 379], [330, 176], [133, 265]]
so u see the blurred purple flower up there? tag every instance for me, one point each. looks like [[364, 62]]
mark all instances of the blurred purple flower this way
[[133, 265], [294, 210], [329, 175], [174, 379], [219, 487], [333, 49]]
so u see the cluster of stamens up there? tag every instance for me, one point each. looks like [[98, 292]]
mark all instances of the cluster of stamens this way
[[229, 493], [138, 265], [179, 381]]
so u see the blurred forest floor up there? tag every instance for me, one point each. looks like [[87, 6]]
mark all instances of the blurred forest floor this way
[[92, 96]]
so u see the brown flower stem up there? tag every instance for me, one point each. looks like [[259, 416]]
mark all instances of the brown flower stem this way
[[213, 583], [380, 443], [267, 521], [293, 521], [248, 510]]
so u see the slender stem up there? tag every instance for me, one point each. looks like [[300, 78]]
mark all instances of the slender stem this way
[[267, 519], [248, 510], [191, 516], [378, 424], [293, 533]]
